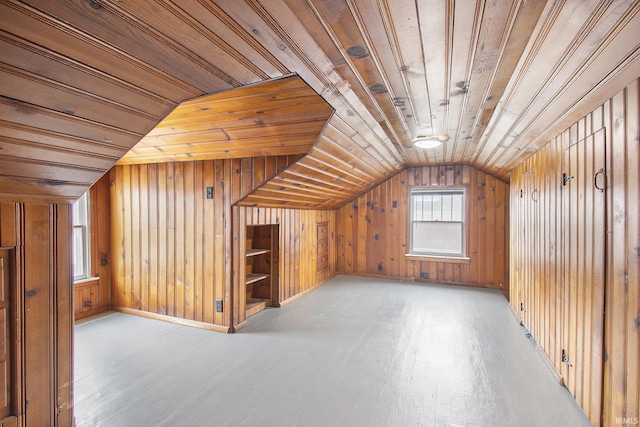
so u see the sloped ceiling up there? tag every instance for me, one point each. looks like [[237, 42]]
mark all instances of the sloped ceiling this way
[[82, 81], [272, 118]]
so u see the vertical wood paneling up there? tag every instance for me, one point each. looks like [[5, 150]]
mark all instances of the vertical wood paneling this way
[[144, 238], [632, 190], [42, 345], [170, 261], [101, 234], [63, 309], [153, 235], [298, 271], [622, 323], [199, 264], [171, 246], [583, 261], [163, 238], [93, 295], [8, 225], [373, 230], [573, 236], [8, 334], [39, 327]]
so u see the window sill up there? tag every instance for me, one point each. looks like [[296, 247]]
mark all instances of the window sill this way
[[84, 281], [434, 258]]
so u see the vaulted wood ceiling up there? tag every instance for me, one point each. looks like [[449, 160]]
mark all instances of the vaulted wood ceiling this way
[[82, 81]]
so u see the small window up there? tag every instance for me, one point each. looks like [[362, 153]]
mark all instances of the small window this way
[[437, 222], [81, 238]]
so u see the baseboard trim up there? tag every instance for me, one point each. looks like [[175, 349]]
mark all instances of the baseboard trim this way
[[171, 319], [79, 316], [547, 361], [305, 292], [543, 355]]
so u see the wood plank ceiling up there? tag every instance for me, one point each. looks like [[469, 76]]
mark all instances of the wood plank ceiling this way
[[82, 81], [277, 117]]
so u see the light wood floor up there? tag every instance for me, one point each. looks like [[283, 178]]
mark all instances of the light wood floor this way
[[354, 352]]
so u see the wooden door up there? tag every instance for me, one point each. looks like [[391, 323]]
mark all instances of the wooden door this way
[[583, 198], [528, 227]]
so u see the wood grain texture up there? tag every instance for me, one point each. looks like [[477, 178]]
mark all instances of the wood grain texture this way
[[298, 251], [373, 231], [580, 256], [318, 180], [171, 247], [8, 334], [499, 79], [278, 117], [40, 342]]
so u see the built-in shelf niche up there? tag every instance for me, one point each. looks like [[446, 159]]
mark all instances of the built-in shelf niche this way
[[261, 268]]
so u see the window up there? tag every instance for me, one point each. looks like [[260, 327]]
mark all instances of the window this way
[[81, 238], [437, 222]]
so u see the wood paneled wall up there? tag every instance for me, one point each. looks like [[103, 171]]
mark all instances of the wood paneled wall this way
[[37, 238], [172, 247], [93, 295], [556, 243], [373, 230], [298, 243]]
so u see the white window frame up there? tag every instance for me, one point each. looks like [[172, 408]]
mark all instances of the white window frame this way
[[413, 221], [81, 238]]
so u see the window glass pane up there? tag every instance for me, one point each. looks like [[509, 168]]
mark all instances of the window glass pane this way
[[438, 238], [446, 207], [438, 221], [437, 208], [456, 208], [428, 208], [80, 211], [78, 252]]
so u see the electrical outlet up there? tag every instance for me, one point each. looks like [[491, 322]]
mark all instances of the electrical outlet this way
[[425, 274], [218, 306], [209, 192]]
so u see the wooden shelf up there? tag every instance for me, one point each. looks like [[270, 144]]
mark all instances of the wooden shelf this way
[[260, 267], [255, 277], [254, 252], [254, 305]]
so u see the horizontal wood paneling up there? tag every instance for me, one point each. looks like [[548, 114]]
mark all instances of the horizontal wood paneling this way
[[279, 117], [561, 302], [327, 178], [298, 247], [495, 80], [373, 233], [171, 247]]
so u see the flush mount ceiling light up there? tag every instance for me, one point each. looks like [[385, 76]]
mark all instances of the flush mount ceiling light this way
[[429, 141]]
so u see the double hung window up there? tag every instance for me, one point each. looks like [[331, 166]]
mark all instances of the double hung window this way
[[81, 238], [438, 222]]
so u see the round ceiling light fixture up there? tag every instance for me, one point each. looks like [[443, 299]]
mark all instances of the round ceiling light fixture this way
[[431, 141]]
